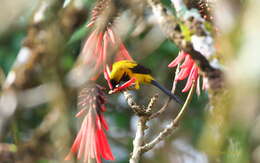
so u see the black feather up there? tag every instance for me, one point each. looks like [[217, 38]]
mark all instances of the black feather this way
[[139, 69], [125, 77]]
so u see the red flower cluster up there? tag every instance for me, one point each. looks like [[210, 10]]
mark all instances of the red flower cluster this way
[[96, 47], [91, 141], [189, 70]]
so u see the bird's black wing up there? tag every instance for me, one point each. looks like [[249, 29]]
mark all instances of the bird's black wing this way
[[139, 69]]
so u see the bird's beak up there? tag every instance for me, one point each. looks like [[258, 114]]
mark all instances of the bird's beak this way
[[122, 87]]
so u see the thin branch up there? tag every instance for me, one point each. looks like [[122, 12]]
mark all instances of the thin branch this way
[[143, 114], [169, 99], [175, 79], [151, 104], [171, 127], [139, 110], [141, 126], [185, 106], [138, 141]]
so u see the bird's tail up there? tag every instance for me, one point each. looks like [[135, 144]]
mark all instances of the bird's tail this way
[[166, 91]]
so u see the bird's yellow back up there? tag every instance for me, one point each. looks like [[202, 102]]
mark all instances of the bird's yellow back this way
[[121, 67]]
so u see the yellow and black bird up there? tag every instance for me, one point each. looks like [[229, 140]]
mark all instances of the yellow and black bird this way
[[123, 71]]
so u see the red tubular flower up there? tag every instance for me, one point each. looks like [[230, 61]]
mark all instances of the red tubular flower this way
[[91, 141], [96, 47], [189, 70], [94, 52]]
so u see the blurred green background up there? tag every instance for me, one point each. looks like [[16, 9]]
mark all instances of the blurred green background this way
[[182, 146]]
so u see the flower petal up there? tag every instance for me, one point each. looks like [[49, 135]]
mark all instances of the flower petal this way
[[177, 60], [122, 54], [198, 86], [111, 35], [104, 122], [80, 113], [107, 77], [184, 73], [192, 78], [106, 152], [188, 62]]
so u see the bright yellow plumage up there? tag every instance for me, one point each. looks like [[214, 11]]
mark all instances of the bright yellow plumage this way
[[126, 69]]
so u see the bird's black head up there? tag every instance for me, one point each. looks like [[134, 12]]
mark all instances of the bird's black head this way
[[114, 83]]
